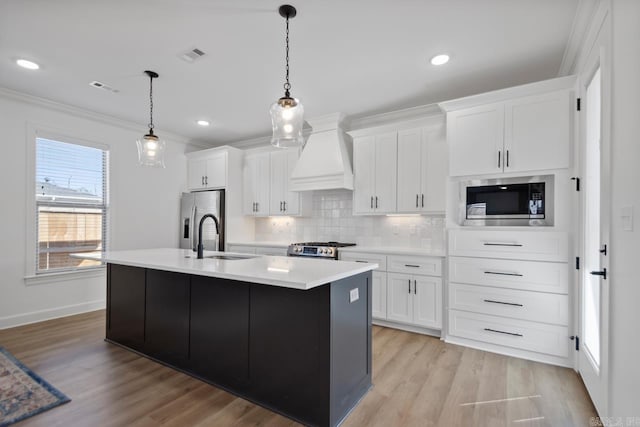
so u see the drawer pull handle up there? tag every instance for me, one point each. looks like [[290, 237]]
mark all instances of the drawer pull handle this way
[[502, 244], [502, 302], [412, 265], [503, 332], [503, 274], [366, 262]]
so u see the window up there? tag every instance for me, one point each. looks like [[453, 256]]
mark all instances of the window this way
[[71, 204]]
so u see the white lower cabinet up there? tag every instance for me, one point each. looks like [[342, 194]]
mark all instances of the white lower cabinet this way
[[508, 292], [379, 295], [414, 299]]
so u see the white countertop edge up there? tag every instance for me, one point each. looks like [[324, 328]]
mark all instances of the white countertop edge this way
[[357, 268], [395, 250], [265, 244]]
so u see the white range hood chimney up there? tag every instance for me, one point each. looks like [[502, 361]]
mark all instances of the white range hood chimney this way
[[325, 162]]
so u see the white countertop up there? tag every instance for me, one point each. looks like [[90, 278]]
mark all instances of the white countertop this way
[[288, 272], [264, 243], [395, 250]]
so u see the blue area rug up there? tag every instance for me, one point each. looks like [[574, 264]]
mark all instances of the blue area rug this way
[[23, 393]]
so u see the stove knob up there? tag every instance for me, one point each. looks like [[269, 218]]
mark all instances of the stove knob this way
[[323, 251], [298, 249], [330, 251]]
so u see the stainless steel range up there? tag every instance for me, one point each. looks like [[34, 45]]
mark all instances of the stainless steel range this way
[[325, 250]]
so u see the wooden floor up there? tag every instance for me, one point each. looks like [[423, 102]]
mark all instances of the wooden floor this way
[[418, 381]]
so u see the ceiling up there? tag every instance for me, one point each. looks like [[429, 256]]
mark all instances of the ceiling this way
[[359, 57]]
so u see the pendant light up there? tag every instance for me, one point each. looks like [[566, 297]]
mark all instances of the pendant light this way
[[150, 147], [287, 113]]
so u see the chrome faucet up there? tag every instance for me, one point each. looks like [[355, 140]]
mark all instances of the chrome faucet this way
[[200, 246]]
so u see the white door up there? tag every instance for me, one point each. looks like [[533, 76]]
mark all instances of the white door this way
[[363, 167], [434, 170], [379, 295], [410, 170], [196, 171], [427, 301], [476, 139], [278, 175], [262, 184], [291, 198], [400, 297], [249, 175], [386, 172], [537, 131], [594, 298], [216, 175]]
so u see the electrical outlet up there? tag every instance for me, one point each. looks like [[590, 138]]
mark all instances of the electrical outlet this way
[[354, 295]]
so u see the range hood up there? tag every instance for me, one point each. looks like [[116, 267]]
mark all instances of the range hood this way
[[325, 162]]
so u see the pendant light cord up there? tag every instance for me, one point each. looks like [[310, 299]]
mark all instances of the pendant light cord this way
[[287, 85], [151, 104]]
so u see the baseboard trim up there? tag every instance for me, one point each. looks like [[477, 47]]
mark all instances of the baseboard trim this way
[[51, 313], [408, 328]]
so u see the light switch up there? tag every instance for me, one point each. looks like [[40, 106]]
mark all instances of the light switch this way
[[354, 295], [626, 214]]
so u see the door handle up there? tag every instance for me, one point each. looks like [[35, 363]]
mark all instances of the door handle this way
[[416, 200], [507, 158], [412, 265], [281, 206], [371, 202], [409, 285], [503, 332], [206, 180], [202, 179], [423, 200], [502, 302], [415, 287], [376, 202], [502, 244], [603, 251], [284, 206], [602, 273], [499, 152], [503, 274]]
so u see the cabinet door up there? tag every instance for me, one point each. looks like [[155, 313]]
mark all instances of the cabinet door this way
[[427, 301], [379, 295], [262, 184], [219, 336], [386, 172], [278, 177], [125, 305], [434, 170], [363, 169], [538, 132], [291, 198], [216, 175], [249, 175], [399, 297], [196, 171], [167, 315], [410, 170], [476, 139]]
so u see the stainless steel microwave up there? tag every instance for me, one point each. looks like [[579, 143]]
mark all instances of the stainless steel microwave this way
[[520, 201]]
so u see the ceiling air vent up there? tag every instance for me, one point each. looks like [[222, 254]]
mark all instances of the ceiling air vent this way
[[100, 85], [192, 55]]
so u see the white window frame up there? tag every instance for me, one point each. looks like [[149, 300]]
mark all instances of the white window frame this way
[[35, 131]]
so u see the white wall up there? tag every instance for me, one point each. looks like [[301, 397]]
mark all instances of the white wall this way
[[625, 245], [144, 205]]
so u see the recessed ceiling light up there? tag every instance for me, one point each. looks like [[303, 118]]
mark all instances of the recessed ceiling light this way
[[27, 64], [203, 122], [440, 59]]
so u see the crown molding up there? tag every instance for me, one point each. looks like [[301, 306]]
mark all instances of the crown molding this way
[[407, 114], [579, 30], [87, 114]]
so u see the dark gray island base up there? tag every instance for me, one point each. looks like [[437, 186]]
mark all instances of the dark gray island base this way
[[305, 354]]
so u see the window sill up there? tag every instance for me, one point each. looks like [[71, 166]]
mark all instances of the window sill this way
[[63, 276]]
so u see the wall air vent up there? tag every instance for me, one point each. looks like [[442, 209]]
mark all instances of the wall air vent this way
[[192, 55], [100, 85]]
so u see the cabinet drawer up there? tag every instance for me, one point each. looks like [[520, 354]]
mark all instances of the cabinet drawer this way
[[525, 305], [379, 259], [521, 334], [503, 273], [415, 265], [527, 245]]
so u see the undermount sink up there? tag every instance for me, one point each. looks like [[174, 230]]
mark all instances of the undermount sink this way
[[225, 257]]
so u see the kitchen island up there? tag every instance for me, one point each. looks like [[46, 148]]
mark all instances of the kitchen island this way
[[290, 334]]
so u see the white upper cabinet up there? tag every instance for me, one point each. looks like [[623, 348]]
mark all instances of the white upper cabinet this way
[[375, 170], [256, 177], [207, 171], [422, 170], [282, 201], [521, 129]]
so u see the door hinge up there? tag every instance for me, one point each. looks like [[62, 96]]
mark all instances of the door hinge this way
[[578, 104], [577, 263], [577, 180], [577, 340]]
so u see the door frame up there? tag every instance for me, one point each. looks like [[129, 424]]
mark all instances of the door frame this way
[[598, 58]]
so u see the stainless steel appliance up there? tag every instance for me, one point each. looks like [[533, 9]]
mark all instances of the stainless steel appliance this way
[[509, 201], [193, 206], [322, 250]]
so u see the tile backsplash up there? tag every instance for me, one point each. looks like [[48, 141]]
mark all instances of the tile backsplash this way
[[332, 220]]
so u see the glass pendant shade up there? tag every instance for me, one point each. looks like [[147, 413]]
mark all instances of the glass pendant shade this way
[[287, 121], [151, 151]]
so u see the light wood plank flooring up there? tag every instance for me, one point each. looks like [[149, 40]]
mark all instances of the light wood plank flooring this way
[[418, 381]]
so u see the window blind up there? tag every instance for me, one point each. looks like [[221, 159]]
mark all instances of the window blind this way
[[71, 204]]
